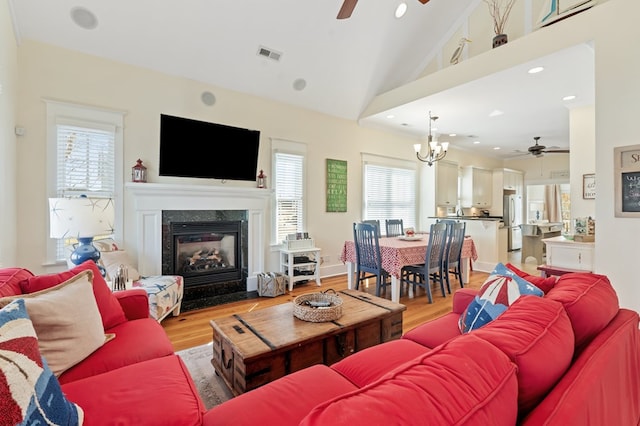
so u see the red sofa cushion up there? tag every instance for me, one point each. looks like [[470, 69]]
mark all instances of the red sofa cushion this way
[[536, 334], [268, 405], [465, 381], [110, 310], [368, 365], [436, 332], [590, 301], [10, 280], [135, 341], [601, 386], [544, 284], [154, 392]]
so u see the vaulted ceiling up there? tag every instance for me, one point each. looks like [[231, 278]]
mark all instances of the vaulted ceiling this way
[[297, 52]]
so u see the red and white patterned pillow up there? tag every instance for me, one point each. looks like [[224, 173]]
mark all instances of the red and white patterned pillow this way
[[30, 392], [499, 291]]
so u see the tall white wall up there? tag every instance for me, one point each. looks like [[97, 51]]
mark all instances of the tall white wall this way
[[8, 99]]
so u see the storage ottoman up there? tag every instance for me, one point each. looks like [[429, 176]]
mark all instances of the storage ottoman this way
[[165, 294]]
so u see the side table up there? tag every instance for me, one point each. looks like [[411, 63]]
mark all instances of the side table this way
[[300, 264]]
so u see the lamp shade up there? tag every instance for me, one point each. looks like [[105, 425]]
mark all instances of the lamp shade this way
[[80, 217]]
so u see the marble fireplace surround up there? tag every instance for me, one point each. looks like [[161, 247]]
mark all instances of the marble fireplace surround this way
[[150, 199]]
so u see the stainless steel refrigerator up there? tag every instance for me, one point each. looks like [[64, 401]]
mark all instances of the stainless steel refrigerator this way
[[512, 217]]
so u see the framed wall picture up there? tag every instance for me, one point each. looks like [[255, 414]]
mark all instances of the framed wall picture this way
[[627, 181], [336, 185], [589, 186]]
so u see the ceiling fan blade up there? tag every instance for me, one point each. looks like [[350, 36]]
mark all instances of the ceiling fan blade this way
[[424, 1], [347, 9], [556, 151]]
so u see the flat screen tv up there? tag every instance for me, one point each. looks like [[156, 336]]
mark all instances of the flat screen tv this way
[[199, 149]]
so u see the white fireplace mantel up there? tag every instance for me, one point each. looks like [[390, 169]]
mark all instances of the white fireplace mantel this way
[[150, 199]]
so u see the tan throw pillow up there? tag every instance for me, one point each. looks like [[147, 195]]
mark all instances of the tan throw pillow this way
[[66, 320], [112, 259]]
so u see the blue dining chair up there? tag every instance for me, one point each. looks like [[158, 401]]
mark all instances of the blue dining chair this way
[[453, 252], [368, 259], [375, 222], [394, 227], [432, 270]]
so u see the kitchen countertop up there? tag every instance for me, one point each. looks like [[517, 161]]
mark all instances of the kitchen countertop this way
[[490, 218]]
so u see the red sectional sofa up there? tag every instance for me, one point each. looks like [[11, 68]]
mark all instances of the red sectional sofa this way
[[569, 358], [133, 379]]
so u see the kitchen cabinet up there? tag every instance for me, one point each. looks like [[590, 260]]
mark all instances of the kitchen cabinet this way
[[446, 184], [564, 253], [513, 180], [477, 187]]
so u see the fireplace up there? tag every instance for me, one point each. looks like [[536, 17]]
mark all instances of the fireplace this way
[[155, 206], [209, 249], [206, 252]]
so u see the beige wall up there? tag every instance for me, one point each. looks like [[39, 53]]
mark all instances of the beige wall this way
[[48, 72], [8, 96]]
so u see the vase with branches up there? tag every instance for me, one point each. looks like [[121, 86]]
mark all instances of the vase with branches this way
[[499, 11]]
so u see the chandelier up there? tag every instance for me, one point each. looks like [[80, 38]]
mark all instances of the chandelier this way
[[435, 151]]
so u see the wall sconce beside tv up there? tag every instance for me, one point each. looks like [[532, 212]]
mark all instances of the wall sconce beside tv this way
[[199, 149]]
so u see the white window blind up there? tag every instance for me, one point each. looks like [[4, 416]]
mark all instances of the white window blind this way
[[85, 161], [289, 185], [389, 193]]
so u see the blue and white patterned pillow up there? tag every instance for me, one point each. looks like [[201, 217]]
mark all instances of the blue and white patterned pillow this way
[[31, 393], [498, 292]]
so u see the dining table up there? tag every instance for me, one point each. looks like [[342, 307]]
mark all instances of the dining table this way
[[397, 252]]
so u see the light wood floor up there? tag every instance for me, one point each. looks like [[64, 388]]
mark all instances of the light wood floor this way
[[193, 329]]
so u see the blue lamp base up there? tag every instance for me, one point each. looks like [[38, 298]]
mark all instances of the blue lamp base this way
[[85, 250]]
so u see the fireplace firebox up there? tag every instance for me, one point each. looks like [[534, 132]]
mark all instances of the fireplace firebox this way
[[209, 250], [206, 252]]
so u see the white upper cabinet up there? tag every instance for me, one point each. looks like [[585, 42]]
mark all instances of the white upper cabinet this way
[[513, 180], [477, 187], [446, 184]]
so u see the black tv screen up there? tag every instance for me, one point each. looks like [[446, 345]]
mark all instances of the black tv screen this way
[[199, 149]]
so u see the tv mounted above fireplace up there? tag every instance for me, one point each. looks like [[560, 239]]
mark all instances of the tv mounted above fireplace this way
[[199, 149]]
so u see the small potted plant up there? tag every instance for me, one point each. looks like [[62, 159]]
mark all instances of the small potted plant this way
[[499, 11]]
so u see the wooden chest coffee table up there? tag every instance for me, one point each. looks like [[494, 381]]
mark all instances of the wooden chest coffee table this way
[[254, 348]]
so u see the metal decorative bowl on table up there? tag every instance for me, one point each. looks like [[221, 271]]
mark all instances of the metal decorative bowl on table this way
[[318, 307]]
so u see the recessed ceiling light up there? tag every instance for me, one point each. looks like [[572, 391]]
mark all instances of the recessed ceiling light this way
[[495, 113], [390, 116], [84, 18], [299, 84], [535, 70], [496, 148], [476, 142], [401, 10], [569, 98], [453, 134]]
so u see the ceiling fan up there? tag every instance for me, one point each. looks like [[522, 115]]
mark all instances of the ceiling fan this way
[[348, 5], [538, 150]]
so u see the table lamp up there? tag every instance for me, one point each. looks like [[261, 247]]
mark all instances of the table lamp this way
[[81, 218]]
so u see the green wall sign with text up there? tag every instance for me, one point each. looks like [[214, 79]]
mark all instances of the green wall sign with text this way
[[336, 185]]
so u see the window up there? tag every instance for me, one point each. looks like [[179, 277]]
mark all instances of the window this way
[[84, 148], [389, 190], [289, 184]]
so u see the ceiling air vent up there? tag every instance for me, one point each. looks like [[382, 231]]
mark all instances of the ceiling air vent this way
[[269, 53]]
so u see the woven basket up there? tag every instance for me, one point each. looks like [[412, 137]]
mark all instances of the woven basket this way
[[302, 310]]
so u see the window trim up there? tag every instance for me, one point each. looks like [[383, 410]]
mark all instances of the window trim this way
[[67, 113], [287, 147]]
